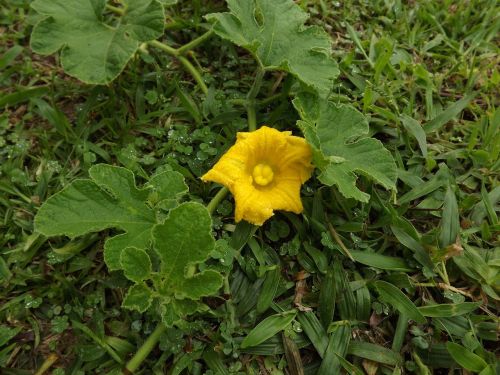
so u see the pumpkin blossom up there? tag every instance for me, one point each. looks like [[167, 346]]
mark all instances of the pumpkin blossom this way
[[264, 171]]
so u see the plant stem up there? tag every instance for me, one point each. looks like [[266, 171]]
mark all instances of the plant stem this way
[[194, 72], [119, 11], [145, 349], [212, 205], [251, 102], [47, 364], [229, 303], [192, 44], [166, 48], [184, 61], [251, 116]]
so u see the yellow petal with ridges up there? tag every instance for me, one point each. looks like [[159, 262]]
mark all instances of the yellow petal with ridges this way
[[264, 170]]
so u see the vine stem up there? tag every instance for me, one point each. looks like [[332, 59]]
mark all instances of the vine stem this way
[[194, 72], [221, 194], [145, 349], [252, 94], [195, 42], [51, 359], [183, 60], [119, 11], [176, 52]]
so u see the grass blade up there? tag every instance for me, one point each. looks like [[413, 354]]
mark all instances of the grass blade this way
[[314, 331], [268, 328], [337, 347], [466, 358], [397, 299], [374, 353], [448, 310], [450, 112]]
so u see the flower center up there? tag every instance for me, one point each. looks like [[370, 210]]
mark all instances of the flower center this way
[[262, 174]]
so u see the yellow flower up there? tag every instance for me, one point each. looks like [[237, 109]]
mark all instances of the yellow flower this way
[[264, 171]]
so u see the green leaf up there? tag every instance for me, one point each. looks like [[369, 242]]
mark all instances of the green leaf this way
[[182, 241], [110, 200], [172, 311], [5, 273], [314, 331], [338, 135], [268, 328], [274, 32], [448, 310], [446, 115], [414, 128], [168, 187], [138, 297], [450, 220], [396, 298], [6, 333], [136, 264], [92, 50], [337, 347], [466, 358], [374, 353], [383, 262]]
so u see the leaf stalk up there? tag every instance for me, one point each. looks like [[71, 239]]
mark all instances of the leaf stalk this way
[[178, 53], [145, 349], [221, 194], [251, 102]]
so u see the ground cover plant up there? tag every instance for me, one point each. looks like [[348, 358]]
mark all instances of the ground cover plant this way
[[249, 187]]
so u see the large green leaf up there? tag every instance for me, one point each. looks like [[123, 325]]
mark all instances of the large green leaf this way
[[92, 50], [338, 136], [274, 32], [110, 200], [183, 241]]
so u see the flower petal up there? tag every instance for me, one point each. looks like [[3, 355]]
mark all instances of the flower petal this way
[[232, 166], [290, 159], [249, 206]]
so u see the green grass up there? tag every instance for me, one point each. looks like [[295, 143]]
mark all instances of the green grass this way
[[425, 73]]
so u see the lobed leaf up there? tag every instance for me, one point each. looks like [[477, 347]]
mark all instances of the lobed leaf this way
[[337, 134], [182, 241], [91, 50], [139, 297], [136, 264], [274, 32], [110, 200]]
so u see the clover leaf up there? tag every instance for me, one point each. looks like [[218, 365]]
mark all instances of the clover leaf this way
[[109, 200], [341, 148], [274, 32], [92, 50]]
